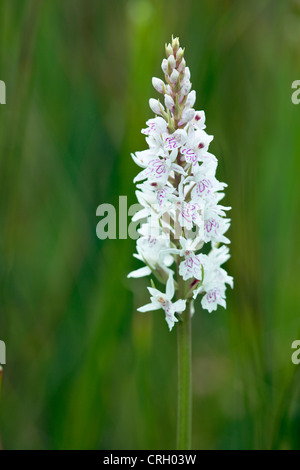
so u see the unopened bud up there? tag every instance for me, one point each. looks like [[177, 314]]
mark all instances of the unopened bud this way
[[191, 99], [171, 64], [174, 76], [158, 85], [187, 116], [155, 106], [164, 66], [169, 102], [186, 88], [175, 44], [187, 73], [181, 67], [179, 54], [169, 50]]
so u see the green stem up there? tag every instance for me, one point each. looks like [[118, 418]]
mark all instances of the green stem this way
[[184, 404]]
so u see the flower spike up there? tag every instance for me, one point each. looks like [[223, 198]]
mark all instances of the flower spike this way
[[180, 195]]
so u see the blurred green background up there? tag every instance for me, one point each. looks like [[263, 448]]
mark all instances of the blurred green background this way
[[84, 369]]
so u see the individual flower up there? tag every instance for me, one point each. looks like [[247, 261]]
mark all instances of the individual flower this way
[[215, 279], [160, 300]]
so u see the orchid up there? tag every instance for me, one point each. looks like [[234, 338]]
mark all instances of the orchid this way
[[164, 301], [179, 192], [183, 224]]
